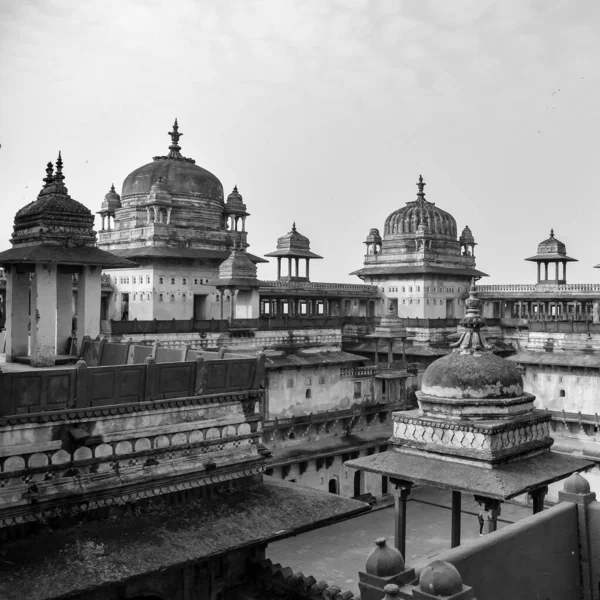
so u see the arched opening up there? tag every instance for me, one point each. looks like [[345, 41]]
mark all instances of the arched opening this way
[[561, 393], [308, 394], [357, 483], [333, 486]]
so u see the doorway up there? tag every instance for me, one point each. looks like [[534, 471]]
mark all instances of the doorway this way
[[333, 486], [449, 308], [200, 307], [357, 483]]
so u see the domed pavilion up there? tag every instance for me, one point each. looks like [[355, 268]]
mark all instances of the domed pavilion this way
[[172, 220], [420, 262], [476, 431], [53, 241]]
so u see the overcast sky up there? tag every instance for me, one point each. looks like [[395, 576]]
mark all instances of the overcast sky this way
[[323, 112]]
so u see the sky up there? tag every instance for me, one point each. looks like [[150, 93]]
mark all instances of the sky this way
[[323, 112]]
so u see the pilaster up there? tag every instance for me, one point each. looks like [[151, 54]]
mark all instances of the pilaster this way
[[88, 302], [17, 313], [43, 315]]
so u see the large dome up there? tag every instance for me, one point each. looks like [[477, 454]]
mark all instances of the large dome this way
[[407, 219], [182, 177]]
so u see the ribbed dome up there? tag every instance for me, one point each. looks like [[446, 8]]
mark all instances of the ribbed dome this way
[[181, 176], [384, 561], [466, 237], [112, 200], [235, 203], [406, 220], [441, 579]]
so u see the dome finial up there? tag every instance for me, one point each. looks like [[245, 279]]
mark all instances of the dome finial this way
[[421, 185], [59, 177], [49, 174], [112, 187], [235, 188], [552, 233], [472, 339], [294, 227], [175, 147]]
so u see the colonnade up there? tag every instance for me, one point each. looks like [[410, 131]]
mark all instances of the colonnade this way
[[293, 261]]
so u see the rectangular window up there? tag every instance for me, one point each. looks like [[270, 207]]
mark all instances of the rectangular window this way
[[403, 300], [147, 278], [133, 280], [357, 389], [418, 288], [427, 288], [427, 300], [403, 289], [434, 289]]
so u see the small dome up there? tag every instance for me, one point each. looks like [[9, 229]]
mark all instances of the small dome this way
[[552, 246], [466, 237], [235, 203], [576, 484], [384, 561], [441, 579], [406, 220], [54, 218], [237, 266], [374, 237], [112, 200], [463, 376], [391, 590]]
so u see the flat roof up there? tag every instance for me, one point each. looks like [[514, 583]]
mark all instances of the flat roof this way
[[503, 481], [78, 559]]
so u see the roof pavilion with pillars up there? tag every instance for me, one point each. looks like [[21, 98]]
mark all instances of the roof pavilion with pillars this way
[[53, 240], [476, 431], [293, 246], [551, 252]]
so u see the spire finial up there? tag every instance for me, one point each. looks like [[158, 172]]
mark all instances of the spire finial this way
[[235, 188], [59, 178], [294, 227], [49, 174], [552, 233], [175, 147], [421, 185], [472, 339], [112, 187]]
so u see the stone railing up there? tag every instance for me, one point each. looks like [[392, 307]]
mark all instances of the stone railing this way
[[429, 323], [322, 285], [368, 371], [104, 278], [156, 326], [511, 287], [532, 287]]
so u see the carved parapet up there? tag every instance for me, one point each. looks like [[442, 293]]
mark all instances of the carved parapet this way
[[274, 577]]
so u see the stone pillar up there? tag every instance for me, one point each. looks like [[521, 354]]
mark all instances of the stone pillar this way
[[539, 265], [596, 312], [278, 268], [64, 311], [546, 270], [169, 215], [538, 496], [243, 223], [43, 315], [400, 492], [456, 517], [17, 313], [297, 261], [577, 490], [289, 267], [102, 217], [490, 511], [307, 269], [88, 302]]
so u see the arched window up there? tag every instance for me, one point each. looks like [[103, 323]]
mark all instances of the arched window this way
[[561, 393], [184, 281], [161, 280], [183, 297], [172, 297], [134, 296], [290, 383], [172, 280], [308, 393], [160, 297], [321, 379], [308, 381], [141, 296]]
